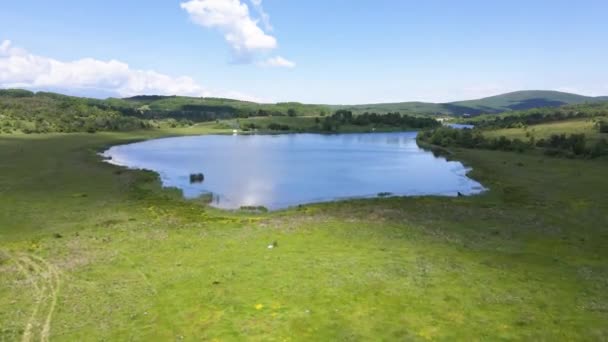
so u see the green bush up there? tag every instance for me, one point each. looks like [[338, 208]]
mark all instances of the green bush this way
[[278, 127], [571, 146]]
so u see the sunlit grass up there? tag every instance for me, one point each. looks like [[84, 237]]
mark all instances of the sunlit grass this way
[[543, 131], [527, 260]]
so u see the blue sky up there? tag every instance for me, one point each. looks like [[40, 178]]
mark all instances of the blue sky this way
[[330, 51]]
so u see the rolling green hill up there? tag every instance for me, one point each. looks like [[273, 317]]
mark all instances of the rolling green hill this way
[[26, 111], [518, 100], [197, 106], [43, 112]]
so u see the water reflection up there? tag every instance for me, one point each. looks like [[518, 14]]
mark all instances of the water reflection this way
[[461, 126], [286, 170]]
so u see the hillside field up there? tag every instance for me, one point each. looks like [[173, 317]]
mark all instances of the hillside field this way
[[543, 131]]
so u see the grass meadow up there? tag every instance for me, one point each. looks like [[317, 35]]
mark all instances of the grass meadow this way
[[544, 131], [90, 251]]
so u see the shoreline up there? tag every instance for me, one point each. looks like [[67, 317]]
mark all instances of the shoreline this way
[[103, 158]]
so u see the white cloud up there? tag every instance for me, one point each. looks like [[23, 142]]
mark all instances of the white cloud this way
[[278, 62], [21, 69], [5, 46], [240, 30], [232, 18], [257, 4]]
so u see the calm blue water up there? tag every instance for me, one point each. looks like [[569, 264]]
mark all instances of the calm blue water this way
[[461, 126], [285, 170]]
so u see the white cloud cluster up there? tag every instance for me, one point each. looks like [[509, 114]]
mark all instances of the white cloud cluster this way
[[233, 20], [22, 69], [278, 62]]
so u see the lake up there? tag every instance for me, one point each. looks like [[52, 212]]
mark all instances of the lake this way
[[279, 171]]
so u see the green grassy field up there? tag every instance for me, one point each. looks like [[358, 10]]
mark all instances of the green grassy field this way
[[89, 251], [543, 131]]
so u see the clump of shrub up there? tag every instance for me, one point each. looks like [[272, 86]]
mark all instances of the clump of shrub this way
[[599, 149], [573, 145], [249, 127], [343, 117], [562, 144], [278, 127], [603, 126]]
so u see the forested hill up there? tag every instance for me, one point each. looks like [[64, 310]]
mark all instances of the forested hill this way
[[197, 108], [26, 111], [519, 100]]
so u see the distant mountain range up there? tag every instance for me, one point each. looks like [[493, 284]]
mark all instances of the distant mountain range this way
[[519, 100]]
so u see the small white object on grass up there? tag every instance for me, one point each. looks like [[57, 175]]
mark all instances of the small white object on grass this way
[[270, 246]]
